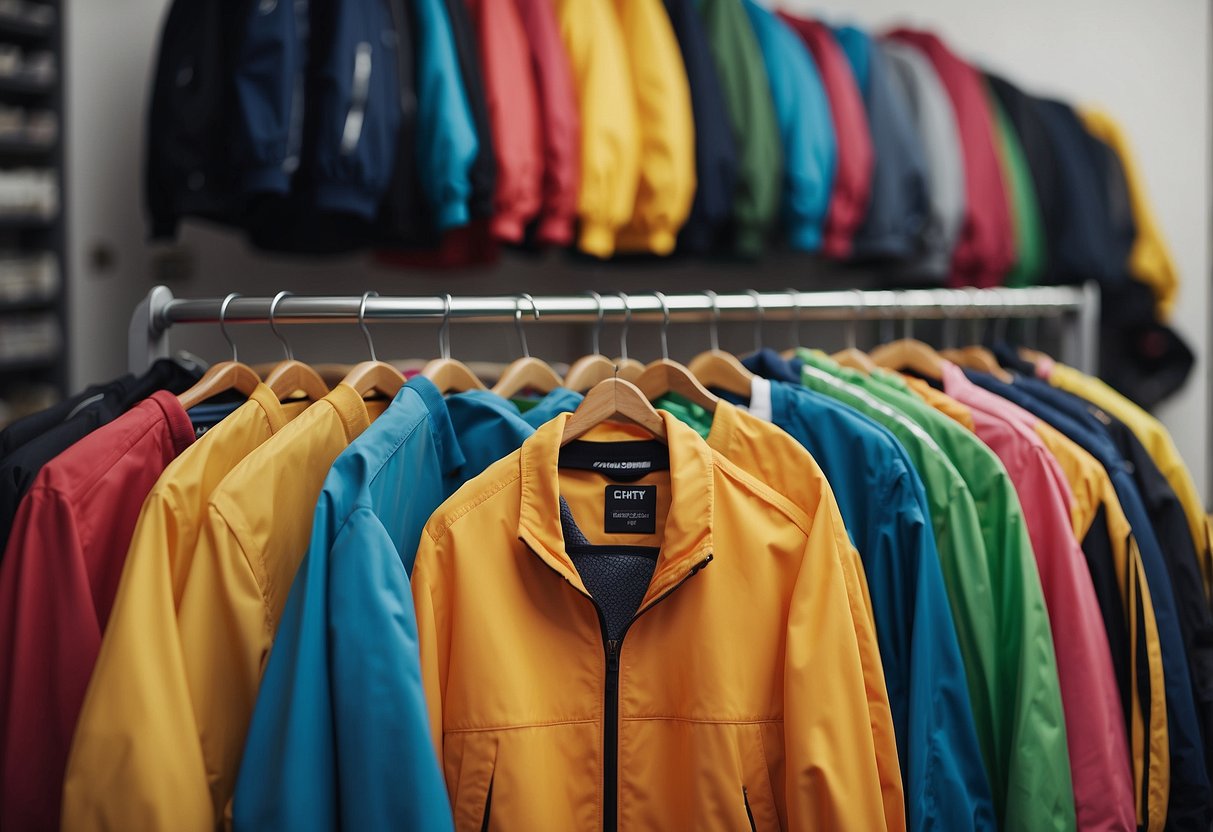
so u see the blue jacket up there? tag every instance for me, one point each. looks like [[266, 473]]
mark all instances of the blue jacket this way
[[898, 206], [340, 735], [806, 128], [1190, 803], [334, 60], [715, 152], [884, 506]]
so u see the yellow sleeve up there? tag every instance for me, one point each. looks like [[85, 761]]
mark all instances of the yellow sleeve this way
[[610, 142], [667, 128], [135, 761], [1150, 259], [432, 645]]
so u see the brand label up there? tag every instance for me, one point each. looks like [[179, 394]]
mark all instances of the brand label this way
[[630, 509], [621, 461]]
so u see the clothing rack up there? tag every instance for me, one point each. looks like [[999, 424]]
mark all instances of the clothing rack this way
[[1077, 307]]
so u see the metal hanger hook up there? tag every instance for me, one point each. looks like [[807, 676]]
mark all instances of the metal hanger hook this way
[[366, 333], [951, 324], [714, 325], [794, 296], [597, 336], [907, 322], [286, 347], [526, 350], [665, 324], [444, 331], [227, 336], [861, 303], [627, 323], [759, 320]]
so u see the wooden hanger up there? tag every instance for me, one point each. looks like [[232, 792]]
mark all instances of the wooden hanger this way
[[909, 354], [717, 368], [290, 377], [372, 377], [851, 356], [978, 358], [226, 375], [448, 374], [665, 376], [589, 370], [527, 373], [613, 399]]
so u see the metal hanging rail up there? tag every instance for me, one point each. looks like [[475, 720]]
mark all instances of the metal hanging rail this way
[[1077, 306]]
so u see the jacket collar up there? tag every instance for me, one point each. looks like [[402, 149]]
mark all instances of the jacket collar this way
[[688, 529], [450, 453]]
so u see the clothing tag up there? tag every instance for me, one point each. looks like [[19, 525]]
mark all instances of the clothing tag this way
[[621, 461], [630, 509]]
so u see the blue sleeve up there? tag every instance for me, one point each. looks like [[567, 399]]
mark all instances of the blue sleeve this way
[[446, 135], [340, 735], [945, 778], [269, 81]]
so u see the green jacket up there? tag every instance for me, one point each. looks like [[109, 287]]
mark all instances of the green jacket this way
[[997, 602], [747, 93], [1025, 211]]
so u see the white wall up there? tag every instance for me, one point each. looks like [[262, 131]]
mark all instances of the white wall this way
[[1147, 63]]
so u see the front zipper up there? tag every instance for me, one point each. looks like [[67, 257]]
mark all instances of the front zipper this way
[[360, 88], [749, 813], [610, 724]]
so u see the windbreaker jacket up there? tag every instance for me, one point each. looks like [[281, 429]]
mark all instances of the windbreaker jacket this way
[[171, 730], [1025, 740], [1157, 441], [560, 126], [518, 753], [1150, 261], [802, 111], [715, 150], [1188, 802], [897, 208], [747, 94], [985, 250], [57, 586], [884, 507], [1025, 213], [610, 134], [1099, 759], [513, 103], [666, 124], [919, 86], [853, 176]]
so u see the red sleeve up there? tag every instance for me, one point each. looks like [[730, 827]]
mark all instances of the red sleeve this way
[[986, 248], [49, 638], [853, 176], [559, 120], [513, 115]]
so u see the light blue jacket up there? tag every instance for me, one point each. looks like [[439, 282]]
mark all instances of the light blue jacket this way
[[806, 129], [340, 736]]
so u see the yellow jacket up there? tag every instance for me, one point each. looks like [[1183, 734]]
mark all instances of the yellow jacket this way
[[733, 695], [1150, 258], [667, 128], [164, 719], [610, 138], [1158, 444]]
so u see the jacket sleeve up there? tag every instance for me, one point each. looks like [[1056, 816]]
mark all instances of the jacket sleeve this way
[[135, 761], [270, 75], [433, 642], [356, 95], [340, 738], [610, 142], [514, 115], [446, 136], [48, 625], [667, 128], [831, 776]]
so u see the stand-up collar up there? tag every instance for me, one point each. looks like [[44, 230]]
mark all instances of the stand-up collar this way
[[688, 528]]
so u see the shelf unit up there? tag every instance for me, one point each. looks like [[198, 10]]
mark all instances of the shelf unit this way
[[29, 235]]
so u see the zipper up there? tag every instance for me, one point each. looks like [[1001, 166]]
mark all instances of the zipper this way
[[360, 89], [610, 724], [488, 804], [749, 813]]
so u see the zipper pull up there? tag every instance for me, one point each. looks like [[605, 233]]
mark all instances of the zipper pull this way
[[612, 663]]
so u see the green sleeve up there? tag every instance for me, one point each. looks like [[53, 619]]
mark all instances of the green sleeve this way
[[1025, 212]]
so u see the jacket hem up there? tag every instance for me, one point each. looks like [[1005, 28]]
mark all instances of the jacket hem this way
[[343, 198]]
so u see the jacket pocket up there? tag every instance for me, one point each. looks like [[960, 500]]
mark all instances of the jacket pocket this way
[[749, 813], [756, 788], [472, 795]]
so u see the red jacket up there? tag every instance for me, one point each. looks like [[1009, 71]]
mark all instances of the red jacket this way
[[986, 248], [853, 175], [505, 55], [57, 584], [559, 120]]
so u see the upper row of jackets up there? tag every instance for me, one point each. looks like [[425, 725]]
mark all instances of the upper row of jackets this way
[[636, 126]]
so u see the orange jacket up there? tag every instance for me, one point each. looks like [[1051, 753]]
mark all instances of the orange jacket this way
[[732, 697]]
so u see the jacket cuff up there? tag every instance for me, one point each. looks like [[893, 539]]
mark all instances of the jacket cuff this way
[[269, 180], [597, 239], [749, 241], [805, 238], [343, 198], [555, 230], [452, 214], [507, 227]]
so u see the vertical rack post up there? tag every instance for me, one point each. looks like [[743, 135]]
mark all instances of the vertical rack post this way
[[147, 338]]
